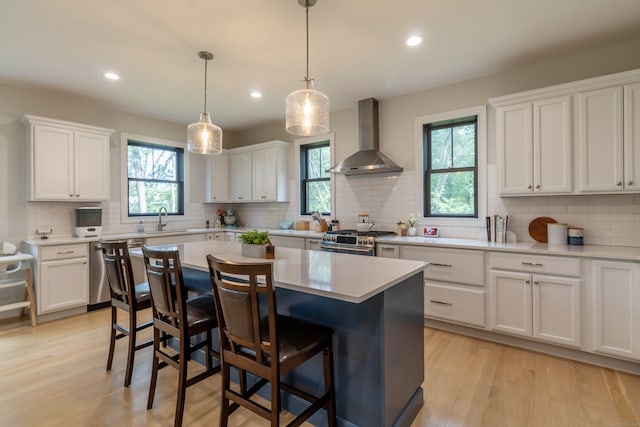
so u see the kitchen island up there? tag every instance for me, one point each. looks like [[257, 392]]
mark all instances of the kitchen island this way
[[375, 307]]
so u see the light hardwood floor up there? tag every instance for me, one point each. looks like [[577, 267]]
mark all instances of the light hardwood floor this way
[[54, 375]]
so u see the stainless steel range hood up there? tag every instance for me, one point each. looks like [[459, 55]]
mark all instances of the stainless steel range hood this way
[[368, 158]]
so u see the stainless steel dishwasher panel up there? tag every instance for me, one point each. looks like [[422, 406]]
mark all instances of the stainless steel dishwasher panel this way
[[99, 295]]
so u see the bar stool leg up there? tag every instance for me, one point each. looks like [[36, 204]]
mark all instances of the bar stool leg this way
[[112, 339]]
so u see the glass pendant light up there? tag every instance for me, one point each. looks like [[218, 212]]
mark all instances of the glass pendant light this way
[[307, 110], [204, 137]]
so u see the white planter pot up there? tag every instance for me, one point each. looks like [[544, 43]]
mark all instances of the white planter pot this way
[[254, 251]]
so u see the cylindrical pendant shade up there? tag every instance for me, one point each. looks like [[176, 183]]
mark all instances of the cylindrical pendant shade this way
[[204, 137], [307, 112]]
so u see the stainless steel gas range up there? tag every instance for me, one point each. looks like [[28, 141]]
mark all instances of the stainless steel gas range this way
[[352, 241]]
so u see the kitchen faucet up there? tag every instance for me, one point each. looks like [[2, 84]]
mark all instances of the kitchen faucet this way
[[160, 224]]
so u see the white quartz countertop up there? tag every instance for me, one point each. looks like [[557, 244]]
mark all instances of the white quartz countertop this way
[[622, 253], [151, 234], [345, 277]]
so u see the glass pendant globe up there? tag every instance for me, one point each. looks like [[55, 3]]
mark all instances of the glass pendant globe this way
[[307, 112], [204, 137]]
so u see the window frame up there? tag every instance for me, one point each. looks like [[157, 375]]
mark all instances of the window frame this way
[[299, 144], [428, 173], [124, 176], [482, 191], [303, 176]]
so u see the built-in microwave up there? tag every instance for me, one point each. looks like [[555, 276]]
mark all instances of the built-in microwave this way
[[89, 222]]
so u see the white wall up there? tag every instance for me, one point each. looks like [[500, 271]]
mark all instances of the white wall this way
[[387, 198]]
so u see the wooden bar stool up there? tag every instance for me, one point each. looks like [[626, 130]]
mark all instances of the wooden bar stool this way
[[174, 315], [266, 346], [126, 296]]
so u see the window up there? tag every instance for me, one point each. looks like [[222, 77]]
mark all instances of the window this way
[[451, 168], [155, 179], [315, 181]]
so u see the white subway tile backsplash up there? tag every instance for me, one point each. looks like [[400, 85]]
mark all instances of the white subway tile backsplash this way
[[387, 198]]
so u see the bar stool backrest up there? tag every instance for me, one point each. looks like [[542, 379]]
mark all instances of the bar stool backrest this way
[[238, 290], [164, 273]]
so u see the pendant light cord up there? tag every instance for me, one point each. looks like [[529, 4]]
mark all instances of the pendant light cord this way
[[205, 85], [307, 15]]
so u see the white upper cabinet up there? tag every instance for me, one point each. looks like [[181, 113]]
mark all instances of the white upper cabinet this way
[[240, 176], [269, 174], [535, 147], [253, 173], [600, 141], [217, 186], [67, 161], [535, 131], [632, 136]]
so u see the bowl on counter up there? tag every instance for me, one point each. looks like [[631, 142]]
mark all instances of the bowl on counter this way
[[285, 225]]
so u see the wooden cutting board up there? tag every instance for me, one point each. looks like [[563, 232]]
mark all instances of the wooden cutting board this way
[[538, 228]]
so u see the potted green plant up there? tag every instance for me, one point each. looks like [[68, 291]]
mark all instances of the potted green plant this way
[[254, 243]]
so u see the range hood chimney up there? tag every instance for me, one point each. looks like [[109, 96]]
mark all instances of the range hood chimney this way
[[368, 158]]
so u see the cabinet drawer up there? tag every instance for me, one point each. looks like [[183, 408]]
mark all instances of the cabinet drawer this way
[[560, 266], [49, 253], [456, 303], [448, 265]]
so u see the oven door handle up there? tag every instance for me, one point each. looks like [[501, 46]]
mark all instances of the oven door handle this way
[[346, 250]]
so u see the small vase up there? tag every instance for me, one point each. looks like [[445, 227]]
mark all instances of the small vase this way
[[412, 231]]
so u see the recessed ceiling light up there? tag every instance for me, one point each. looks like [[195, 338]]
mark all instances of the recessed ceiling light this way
[[256, 94], [414, 41], [112, 76]]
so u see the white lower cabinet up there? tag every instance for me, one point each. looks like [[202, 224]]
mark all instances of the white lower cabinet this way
[[63, 277], [387, 251], [537, 305], [457, 303], [175, 239], [454, 281], [536, 300], [616, 307], [312, 244]]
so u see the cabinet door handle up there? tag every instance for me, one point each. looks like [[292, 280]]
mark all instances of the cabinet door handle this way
[[538, 186], [527, 281], [64, 252], [535, 282], [629, 182], [619, 183], [529, 187], [532, 264], [435, 264], [441, 302]]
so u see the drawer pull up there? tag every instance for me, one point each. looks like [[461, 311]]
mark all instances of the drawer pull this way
[[532, 264], [64, 252], [440, 302], [387, 248], [435, 264]]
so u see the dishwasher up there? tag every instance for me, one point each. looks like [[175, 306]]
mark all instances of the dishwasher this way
[[99, 293]]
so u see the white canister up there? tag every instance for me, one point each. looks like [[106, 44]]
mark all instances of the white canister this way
[[557, 234]]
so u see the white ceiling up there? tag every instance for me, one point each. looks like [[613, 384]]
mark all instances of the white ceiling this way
[[357, 48]]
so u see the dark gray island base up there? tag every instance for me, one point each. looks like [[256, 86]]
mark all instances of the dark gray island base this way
[[375, 307], [378, 353]]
